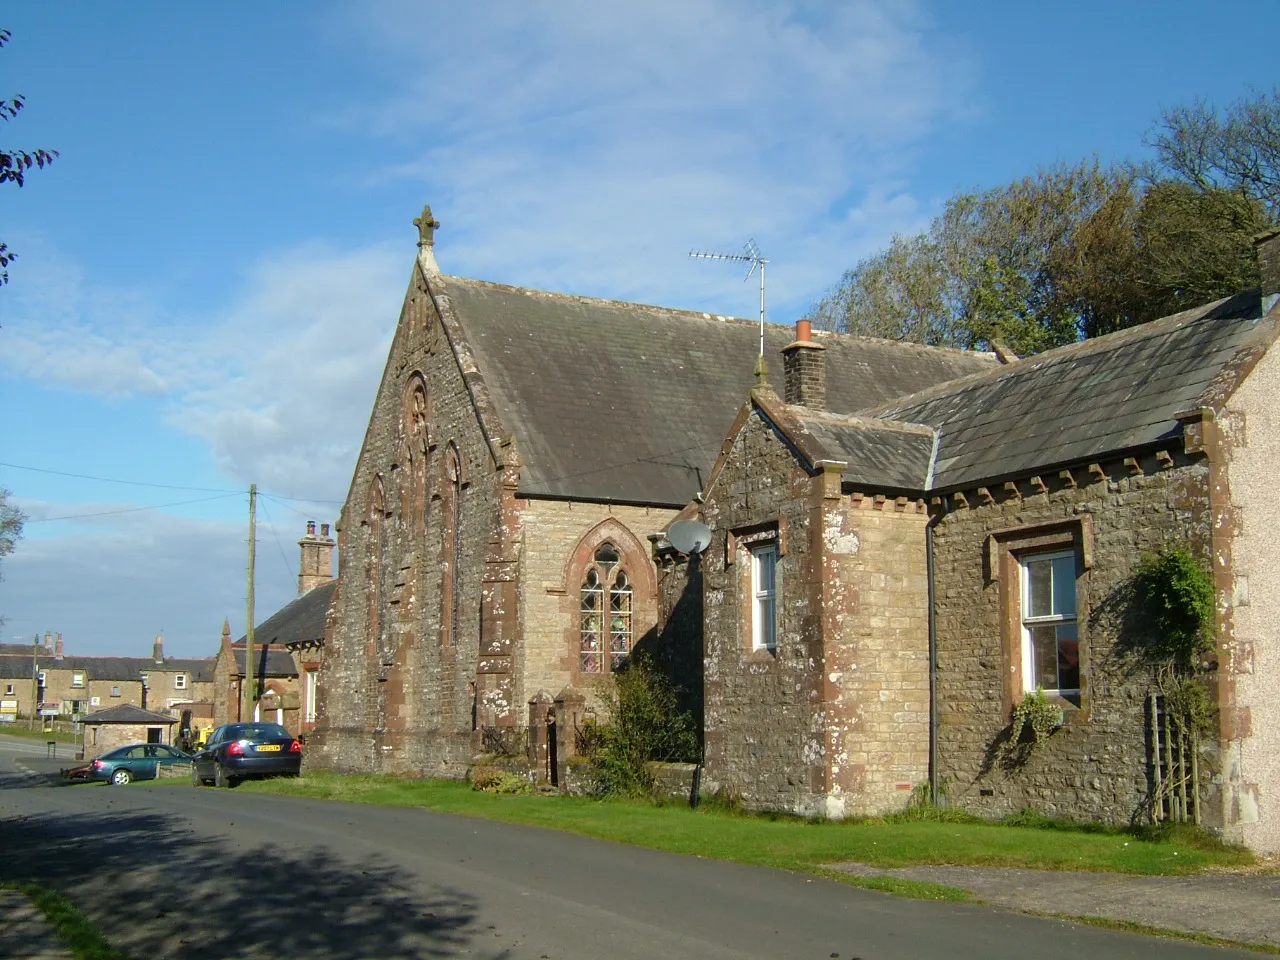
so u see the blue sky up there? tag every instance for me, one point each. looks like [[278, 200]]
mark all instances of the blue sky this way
[[210, 273]]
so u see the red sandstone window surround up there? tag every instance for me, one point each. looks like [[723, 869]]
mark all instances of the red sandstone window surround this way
[[1041, 632]]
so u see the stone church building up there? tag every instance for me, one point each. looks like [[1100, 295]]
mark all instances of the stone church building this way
[[494, 549], [905, 542]]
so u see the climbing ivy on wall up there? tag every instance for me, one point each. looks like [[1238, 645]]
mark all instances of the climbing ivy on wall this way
[[1175, 595]]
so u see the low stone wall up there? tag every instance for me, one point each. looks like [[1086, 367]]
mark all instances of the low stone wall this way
[[675, 781], [173, 771]]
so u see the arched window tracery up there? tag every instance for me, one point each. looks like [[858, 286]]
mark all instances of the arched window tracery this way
[[606, 622]]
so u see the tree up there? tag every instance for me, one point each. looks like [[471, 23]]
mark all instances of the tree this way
[[11, 520], [1069, 253], [15, 164], [1237, 149], [983, 272]]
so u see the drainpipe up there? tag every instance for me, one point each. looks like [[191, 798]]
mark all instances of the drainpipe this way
[[934, 784]]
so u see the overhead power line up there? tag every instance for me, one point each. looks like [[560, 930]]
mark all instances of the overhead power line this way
[[159, 486], [107, 513]]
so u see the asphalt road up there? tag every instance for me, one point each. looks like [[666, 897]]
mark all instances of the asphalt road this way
[[172, 871]]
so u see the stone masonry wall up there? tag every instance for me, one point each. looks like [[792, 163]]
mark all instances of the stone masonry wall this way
[[404, 700], [1096, 766], [554, 531], [1253, 760], [763, 713], [876, 652]]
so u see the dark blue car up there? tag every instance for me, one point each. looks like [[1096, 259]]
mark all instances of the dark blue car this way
[[239, 751]]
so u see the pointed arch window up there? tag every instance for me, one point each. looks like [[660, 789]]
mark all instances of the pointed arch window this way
[[607, 613]]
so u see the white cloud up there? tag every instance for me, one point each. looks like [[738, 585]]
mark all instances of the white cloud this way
[[279, 381], [587, 146], [115, 582]]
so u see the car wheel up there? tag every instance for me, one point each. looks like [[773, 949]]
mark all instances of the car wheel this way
[[120, 778], [196, 779], [221, 778]]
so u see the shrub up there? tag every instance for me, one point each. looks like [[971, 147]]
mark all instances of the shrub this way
[[1037, 714], [643, 722]]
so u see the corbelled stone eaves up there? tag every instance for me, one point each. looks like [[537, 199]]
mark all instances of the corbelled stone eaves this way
[[629, 403], [1088, 400]]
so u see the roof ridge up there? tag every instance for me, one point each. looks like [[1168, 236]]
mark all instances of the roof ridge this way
[[709, 316]]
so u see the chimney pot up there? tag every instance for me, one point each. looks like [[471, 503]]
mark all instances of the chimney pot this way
[[316, 561], [804, 370]]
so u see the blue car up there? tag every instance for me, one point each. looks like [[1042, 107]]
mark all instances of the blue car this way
[[137, 761], [240, 751]]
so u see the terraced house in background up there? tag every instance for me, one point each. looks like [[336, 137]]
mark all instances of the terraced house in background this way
[[906, 543], [43, 677]]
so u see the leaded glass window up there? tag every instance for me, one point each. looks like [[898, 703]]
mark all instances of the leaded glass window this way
[[606, 624]]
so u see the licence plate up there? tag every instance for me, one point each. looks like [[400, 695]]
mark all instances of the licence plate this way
[[269, 748]]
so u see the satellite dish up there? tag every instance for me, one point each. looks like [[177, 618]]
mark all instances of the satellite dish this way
[[689, 536]]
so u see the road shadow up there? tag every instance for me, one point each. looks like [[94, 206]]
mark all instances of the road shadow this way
[[159, 890]]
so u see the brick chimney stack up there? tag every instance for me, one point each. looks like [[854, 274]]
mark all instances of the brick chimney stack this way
[[1268, 248], [316, 565], [157, 651], [57, 648], [804, 370]]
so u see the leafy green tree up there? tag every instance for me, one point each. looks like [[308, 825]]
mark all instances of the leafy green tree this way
[[11, 520], [1069, 253], [982, 272], [15, 164]]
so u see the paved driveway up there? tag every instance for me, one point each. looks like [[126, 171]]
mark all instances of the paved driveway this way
[[171, 871]]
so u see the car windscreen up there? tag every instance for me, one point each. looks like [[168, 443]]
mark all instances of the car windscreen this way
[[256, 731]]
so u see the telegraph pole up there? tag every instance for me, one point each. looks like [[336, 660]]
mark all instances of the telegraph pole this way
[[249, 698]]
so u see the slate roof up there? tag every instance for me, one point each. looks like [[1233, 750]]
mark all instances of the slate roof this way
[[108, 668], [887, 457], [127, 713], [298, 620], [267, 661], [1085, 400], [625, 402]]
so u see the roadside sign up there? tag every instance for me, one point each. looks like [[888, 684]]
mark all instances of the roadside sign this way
[[49, 711], [8, 707]]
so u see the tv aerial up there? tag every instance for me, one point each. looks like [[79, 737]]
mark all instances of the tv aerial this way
[[753, 257], [689, 536]]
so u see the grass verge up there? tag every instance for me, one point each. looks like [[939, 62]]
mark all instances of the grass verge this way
[[789, 842], [83, 939]]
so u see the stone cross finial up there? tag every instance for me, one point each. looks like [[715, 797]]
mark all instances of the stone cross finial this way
[[427, 226], [762, 372]]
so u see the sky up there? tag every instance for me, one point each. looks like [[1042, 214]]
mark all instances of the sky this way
[[210, 273]]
